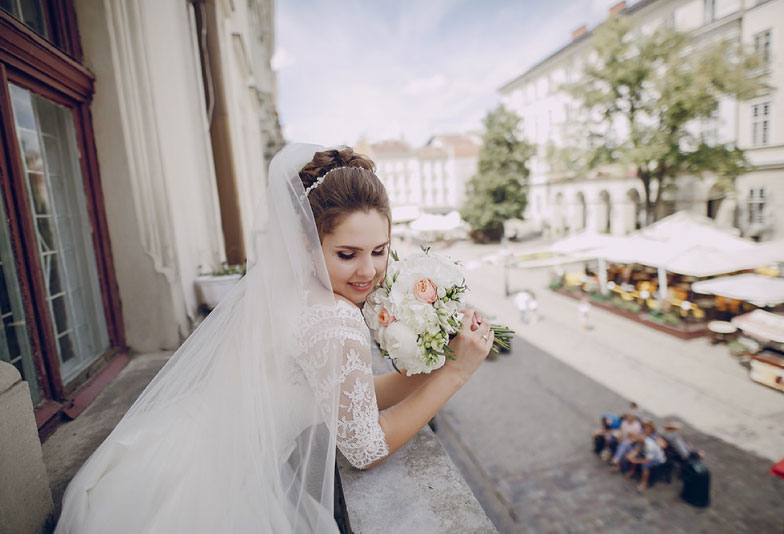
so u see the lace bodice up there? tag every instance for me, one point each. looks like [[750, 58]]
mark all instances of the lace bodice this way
[[335, 353]]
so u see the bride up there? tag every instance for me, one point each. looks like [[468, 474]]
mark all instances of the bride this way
[[238, 432]]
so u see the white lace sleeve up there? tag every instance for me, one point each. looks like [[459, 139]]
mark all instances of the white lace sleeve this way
[[338, 336]]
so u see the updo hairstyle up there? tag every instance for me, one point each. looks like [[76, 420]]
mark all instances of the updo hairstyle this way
[[355, 187]]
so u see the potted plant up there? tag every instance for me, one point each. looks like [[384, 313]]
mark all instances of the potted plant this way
[[211, 288]]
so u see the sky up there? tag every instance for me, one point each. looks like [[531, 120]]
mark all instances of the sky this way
[[409, 69]]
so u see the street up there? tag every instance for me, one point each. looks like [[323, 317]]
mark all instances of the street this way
[[520, 429]]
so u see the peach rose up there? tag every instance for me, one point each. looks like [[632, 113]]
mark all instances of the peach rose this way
[[385, 318], [425, 290]]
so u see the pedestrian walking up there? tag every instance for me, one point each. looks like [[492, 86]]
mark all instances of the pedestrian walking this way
[[521, 303], [583, 311]]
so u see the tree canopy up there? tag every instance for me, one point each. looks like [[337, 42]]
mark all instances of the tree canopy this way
[[498, 191], [646, 96]]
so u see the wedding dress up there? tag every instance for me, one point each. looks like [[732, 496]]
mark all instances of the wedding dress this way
[[238, 432]]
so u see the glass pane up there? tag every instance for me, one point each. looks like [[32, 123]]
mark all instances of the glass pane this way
[[8, 6], [33, 16], [12, 342], [56, 190], [14, 337], [45, 234], [52, 156], [23, 108], [5, 302], [55, 284], [60, 314], [65, 344], [31, 150], [41, 201]]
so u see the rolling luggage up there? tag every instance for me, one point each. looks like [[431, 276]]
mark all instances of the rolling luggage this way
[[696, 483]]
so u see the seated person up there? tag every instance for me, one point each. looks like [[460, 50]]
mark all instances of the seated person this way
[[652, 454], [672, 435], [603, 438], [629, 426]]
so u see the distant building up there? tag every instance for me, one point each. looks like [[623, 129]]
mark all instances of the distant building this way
[[432, 177], [136, 137], [611, 200]]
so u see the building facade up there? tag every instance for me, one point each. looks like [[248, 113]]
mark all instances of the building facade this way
[[432, 177], [135, 139], [611, 199]]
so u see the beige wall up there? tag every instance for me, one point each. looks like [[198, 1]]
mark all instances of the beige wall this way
[[155, 155], [548, 114], [148, 121]]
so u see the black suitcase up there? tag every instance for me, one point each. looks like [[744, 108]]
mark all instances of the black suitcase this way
[[696, 483]]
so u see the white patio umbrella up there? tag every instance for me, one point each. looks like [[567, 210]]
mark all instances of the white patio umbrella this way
[[756, 289]]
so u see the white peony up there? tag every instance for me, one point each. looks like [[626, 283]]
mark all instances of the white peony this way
[[401, 343]]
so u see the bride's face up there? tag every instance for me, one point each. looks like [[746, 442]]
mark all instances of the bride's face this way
[[356, 254]]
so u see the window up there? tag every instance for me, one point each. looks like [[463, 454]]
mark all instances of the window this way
[[59, 305], [47, 143], [709, 11], [30, 12], [709, 128], [762, 47], [757, 199], [14, 338], [760, 124]]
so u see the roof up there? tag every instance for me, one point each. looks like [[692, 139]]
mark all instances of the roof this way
[[391, 147], [431, 152], [461, 145]]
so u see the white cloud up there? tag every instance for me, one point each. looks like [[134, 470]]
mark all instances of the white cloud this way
[[281, 59], [408, 69], [421, 86]]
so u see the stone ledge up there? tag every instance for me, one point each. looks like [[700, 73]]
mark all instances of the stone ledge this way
[[418, 490], [25, 498]]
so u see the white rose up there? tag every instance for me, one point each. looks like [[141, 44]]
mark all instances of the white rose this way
[[401, 343]]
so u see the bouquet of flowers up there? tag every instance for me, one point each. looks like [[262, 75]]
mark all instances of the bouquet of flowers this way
[[417, 308]]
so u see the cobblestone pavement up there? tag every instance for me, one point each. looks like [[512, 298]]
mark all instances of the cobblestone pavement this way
[[520, 432]]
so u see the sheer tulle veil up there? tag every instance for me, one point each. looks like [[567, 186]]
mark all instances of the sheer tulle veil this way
[[227, 437]]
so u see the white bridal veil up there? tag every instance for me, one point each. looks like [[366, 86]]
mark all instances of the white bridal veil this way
[[227, 437]]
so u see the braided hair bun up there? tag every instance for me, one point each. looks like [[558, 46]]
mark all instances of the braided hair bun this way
[[351, 186]]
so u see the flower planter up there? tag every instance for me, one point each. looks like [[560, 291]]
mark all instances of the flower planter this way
[[211, 289], [491, 235]]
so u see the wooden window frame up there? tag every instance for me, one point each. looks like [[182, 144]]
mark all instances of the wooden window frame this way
[[51, 70]]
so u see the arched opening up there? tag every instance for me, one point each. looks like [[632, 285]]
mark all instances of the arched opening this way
[[558, 214], [636, 217], [581, 217], [716, 196], [605, 211]]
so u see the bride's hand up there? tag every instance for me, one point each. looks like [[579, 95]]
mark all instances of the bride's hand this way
[[471, 346]]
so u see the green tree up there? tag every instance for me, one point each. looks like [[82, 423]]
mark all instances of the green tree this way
[[498, 192], [655, 89]]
